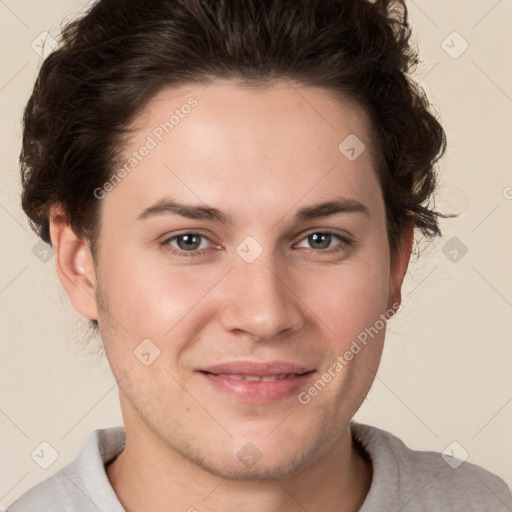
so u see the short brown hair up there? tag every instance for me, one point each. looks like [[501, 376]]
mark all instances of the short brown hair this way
[[111, 61]]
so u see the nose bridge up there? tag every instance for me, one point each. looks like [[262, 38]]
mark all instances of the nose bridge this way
[[260, 298]]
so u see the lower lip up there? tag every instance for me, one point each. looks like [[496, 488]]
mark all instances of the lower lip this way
[[258, 391]]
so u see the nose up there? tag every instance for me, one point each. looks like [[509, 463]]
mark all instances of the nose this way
[[260, 300]]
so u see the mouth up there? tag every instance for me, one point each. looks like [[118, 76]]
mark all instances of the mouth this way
[[256, 378], [257, 382]]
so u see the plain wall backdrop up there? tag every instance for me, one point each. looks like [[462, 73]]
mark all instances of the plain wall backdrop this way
[[445, 375]]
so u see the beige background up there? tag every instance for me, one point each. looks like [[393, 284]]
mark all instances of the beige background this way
[[446, 370]]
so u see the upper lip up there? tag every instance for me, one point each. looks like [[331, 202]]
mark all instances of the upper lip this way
[[261, 369]]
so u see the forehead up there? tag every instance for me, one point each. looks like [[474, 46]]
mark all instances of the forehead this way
[[231, 145], [241, 111]]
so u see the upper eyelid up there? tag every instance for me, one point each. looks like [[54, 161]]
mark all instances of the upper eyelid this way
[[167, 238]]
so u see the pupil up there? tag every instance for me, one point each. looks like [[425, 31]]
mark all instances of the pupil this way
[[189, 242], [321, 238]]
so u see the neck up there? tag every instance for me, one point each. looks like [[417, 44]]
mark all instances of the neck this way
[[149, 476]]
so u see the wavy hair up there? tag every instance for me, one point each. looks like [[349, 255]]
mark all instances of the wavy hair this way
[[111, 61]]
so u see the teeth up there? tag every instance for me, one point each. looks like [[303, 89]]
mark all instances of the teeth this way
[[257, 378]]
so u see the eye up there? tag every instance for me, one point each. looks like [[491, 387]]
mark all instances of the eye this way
[[321, 240], [187, 244]]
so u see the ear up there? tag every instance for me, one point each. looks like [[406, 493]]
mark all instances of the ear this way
[[400, 261], [74, 264]]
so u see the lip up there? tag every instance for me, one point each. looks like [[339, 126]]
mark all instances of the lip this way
[[228, 378], [262, 369]]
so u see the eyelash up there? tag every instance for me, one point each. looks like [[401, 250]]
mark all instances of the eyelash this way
[[344, 243]]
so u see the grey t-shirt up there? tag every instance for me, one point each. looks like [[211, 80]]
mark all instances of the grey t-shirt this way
[[403, 480]]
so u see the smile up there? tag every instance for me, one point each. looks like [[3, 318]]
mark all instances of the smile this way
[[256, 382], [258, 378]]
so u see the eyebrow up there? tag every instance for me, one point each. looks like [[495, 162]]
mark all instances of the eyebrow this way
[[321, 210]]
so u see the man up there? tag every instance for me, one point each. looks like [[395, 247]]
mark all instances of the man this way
[[231, 189]]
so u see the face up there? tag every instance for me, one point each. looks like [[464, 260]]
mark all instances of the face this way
[[230, 298]]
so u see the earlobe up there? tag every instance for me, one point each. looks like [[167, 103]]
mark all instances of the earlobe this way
[[74, 264], [400, 261]]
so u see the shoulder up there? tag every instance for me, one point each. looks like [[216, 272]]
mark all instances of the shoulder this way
[[50, 494], [413, 480], [81, 485]]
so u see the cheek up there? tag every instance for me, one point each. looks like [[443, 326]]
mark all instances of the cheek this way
[[350, 297], [149, 298]]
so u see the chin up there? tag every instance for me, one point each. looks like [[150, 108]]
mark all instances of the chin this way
[[260, 471], [249, 463]]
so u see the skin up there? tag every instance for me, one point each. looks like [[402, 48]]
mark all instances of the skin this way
[[259, 156]]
